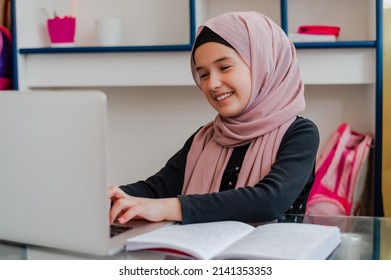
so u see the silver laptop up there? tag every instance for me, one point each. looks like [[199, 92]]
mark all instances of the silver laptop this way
[[53, 172]]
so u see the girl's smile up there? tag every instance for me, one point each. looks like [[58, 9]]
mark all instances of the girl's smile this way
[[224, 96]]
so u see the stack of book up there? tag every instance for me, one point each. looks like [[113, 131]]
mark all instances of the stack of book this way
[[315, 33]]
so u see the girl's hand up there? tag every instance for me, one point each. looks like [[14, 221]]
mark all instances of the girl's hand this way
[[126, 207]]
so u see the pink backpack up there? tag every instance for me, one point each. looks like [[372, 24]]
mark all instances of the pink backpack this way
[[340, 175], [5, 59]]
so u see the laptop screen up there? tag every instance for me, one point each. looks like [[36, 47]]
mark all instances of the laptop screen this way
[[53, 168]]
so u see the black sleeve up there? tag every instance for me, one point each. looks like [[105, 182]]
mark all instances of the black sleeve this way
[[273, 195], [168, 182]]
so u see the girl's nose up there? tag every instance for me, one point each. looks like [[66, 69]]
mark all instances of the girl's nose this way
[[214, 82]]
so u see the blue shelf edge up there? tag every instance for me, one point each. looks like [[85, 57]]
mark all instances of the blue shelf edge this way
[[336, 45], [184, 47], [98, 49], [378, 165]]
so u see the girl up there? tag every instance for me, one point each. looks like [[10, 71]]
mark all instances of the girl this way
[[255, 161]]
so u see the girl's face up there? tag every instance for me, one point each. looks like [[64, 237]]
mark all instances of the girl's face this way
[[225, 78]]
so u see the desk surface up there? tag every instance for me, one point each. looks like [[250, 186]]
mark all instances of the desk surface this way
[[374, 232]]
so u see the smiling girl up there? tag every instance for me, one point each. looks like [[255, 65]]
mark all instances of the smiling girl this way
[[255, 161]]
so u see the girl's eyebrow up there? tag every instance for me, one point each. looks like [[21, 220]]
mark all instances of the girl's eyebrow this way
[[214, 62]]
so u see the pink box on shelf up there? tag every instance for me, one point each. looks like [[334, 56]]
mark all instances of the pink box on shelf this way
[[62, 30]]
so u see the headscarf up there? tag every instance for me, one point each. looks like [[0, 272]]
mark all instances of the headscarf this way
[[277, 97], [205, 36]]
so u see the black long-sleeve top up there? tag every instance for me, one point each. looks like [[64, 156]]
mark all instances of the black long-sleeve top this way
[[284, 190]]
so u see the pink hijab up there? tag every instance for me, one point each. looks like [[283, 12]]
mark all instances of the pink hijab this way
[[277, 97]]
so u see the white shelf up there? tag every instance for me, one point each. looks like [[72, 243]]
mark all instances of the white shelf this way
[[69, 68], [108, 69], [338, 66]]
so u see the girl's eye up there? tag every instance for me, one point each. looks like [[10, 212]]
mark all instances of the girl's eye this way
[[203, 76], [226, 67]]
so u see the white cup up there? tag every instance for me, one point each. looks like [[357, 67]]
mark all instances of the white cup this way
[[109, 31], [350, 248]]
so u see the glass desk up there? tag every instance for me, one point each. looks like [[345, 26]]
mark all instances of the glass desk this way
[[374, 241], [374, 234]]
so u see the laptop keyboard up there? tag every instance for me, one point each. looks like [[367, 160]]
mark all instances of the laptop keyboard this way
[[117, 229]]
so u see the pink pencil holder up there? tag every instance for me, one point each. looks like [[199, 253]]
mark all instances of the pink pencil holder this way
[[61, 30]]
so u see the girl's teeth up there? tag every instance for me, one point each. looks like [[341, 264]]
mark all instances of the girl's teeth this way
[[224, 96]]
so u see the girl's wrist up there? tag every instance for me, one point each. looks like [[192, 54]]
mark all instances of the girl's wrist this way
[[173, 209]]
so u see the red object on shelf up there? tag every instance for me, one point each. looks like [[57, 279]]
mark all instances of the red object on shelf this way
[[62, 30], [319, 29]]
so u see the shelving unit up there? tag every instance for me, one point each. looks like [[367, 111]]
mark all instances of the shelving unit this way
[[343, 79]]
